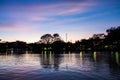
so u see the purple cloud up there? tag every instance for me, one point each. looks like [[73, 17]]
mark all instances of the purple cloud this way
[[44, 12]]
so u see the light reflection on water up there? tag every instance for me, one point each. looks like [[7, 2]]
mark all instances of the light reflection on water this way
[[104, 65]]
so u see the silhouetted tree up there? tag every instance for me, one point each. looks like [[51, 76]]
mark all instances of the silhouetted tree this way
[[58, 45], [50, 41], [113, 34], [97, 39], [56, 37], [98, 36], [69, 46], [112, 39], [3, 47], [46, 38]]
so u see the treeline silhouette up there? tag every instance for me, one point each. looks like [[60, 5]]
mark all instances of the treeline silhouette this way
[[101, 42]]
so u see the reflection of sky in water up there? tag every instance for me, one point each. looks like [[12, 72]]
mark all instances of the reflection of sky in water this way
[[22, 61], [81, 61], [92, 63]]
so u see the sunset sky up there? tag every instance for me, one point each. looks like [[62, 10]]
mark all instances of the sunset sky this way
[[28, 20]]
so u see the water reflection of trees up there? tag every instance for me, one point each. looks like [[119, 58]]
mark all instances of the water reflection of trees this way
[[50, 60], [91, 60], [114, 60]]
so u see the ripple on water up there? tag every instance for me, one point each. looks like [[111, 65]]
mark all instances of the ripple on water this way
[[73, 66]]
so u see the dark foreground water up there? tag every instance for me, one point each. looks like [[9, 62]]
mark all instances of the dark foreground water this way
[[64, 66]]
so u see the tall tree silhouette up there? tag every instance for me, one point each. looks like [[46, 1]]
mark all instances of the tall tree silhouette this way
[[46, 38]]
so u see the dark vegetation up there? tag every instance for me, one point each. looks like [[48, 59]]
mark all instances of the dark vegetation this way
[[108, 42]]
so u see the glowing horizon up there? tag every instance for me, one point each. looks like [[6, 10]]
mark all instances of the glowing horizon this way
[[28, 20]]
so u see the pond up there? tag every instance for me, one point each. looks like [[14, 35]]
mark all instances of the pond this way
[[63, 66]]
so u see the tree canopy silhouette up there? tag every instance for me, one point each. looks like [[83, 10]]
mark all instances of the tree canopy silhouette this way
[[56, 37], [48, 38], [113, 34]]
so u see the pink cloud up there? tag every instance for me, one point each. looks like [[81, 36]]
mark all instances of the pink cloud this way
[[23, 17], [28, 13], [15, 26], [43, 12], [37, 18]]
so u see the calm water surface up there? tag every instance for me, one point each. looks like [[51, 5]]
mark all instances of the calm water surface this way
[[64, 66]]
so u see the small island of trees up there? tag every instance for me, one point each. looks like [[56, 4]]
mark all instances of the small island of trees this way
[[98, 42]]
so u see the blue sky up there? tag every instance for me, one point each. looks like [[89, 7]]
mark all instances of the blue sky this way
[[28, 20]]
